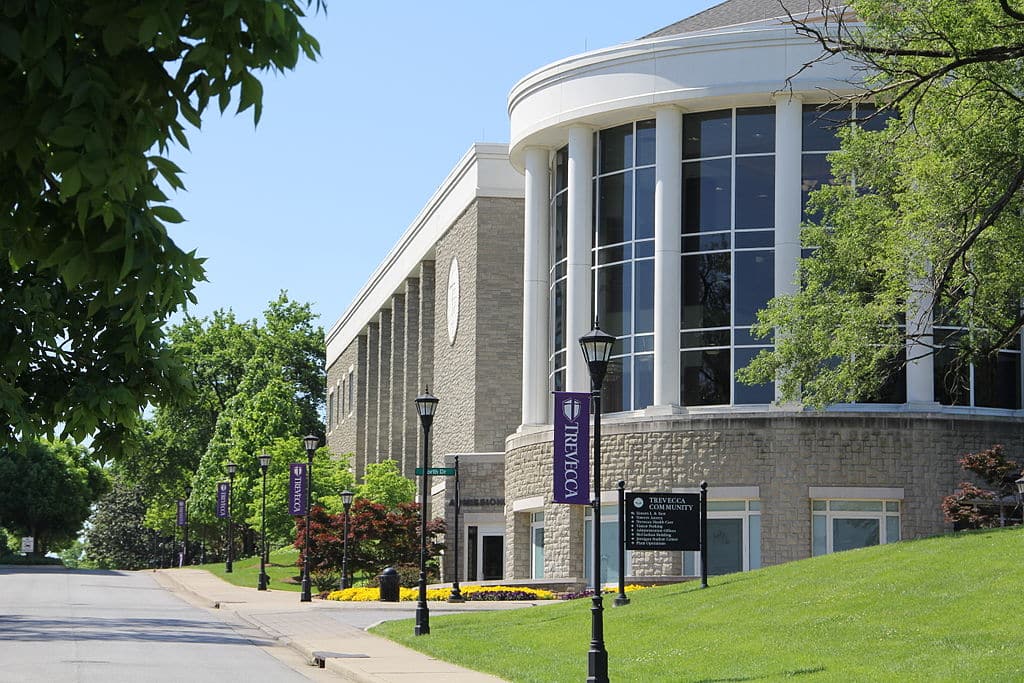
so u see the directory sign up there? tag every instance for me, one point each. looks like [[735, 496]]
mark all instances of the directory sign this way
[[663, 521]]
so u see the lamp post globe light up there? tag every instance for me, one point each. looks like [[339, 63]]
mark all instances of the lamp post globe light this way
[[184, 549], [346, 502], [310, 442], [232, 470], [597, 349], [426, 406], [264, 580]]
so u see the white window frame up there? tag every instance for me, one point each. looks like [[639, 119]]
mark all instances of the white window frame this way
[[536, 524], [751, 509]]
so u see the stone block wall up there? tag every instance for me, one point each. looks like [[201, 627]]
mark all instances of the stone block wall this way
[[782, 454]]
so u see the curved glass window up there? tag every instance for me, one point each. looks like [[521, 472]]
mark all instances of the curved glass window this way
[[728, 244], [559, 219], [821, 126], [623, 258]]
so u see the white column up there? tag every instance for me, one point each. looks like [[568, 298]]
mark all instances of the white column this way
[[579, 243], [668, 189], [535, 288], [920, 359], [788, 152]]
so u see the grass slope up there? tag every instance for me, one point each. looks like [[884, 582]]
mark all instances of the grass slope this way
[[282, 570], [947, 608]]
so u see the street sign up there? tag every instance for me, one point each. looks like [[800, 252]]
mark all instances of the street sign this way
[[28, 544], [437, 471], [663, 521]]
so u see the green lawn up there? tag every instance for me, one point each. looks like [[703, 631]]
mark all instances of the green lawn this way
[[948, 608], [246, 571]]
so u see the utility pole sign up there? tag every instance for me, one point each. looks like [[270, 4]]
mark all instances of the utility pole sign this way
[[663, 521]]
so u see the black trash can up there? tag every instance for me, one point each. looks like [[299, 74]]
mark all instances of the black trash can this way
[[389, 585]]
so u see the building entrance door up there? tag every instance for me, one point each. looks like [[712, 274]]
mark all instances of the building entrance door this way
[[492, 558]]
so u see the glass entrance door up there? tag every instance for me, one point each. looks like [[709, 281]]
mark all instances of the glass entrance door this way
[[493, 558]]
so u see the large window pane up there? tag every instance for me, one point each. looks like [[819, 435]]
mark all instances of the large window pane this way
[[615, 208], [616, 148], [815, 171], [708, 134], [617, 387], [614, 298], [644, 204], [538, 552], [848, 534], [819, 534], [558, 315], [754, 554], [755, 284], [751, 393], [561, 169], [997, 381], [755, 192], [706, 377], [725, 546], [755, 130], [643, 320], [560, 227], [821, 127], [645, 142], [643, 381], [707, 195], [706, 282]]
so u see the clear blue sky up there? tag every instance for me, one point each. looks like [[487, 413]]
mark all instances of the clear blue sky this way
[[351, 147]]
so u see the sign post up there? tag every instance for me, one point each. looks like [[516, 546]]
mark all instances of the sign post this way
[[28, 544], [669, 521]]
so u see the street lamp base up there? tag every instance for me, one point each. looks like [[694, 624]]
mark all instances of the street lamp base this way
[[597, 666], [306, 593], [263, 583], [227, 567], [620, 600], [422, 621]]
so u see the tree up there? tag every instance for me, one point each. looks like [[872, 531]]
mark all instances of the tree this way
[[384, 484], [47, 490], [118, 538], [379, 537], [973, 507], [92, 93], [257, 386], [924, 224]]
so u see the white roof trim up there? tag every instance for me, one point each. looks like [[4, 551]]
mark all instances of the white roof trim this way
[[855, 492]]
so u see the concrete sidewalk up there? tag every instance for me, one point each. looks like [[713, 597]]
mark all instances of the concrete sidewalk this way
[[332, 627]]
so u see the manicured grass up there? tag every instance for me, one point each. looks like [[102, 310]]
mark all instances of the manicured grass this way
[[947, 608], [245, 571]]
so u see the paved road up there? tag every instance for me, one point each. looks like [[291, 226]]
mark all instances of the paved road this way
[[63, 625]]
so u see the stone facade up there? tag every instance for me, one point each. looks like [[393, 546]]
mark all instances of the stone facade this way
[[781, 454]]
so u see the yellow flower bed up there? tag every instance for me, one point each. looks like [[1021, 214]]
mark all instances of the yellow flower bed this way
[[442, 594]]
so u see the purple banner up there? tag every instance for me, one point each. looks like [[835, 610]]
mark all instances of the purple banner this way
[[182, 519], [572, 447], [297, 488], [223, 491]]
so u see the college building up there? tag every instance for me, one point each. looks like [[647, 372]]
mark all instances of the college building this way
[[658, 185]]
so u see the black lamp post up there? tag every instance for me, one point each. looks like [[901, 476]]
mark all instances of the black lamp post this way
[[232, 469], [456, 595], [346, 502], [426, 406], [184, 549], [310, 442], [597, 349], [621, 598], [264, 580]]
